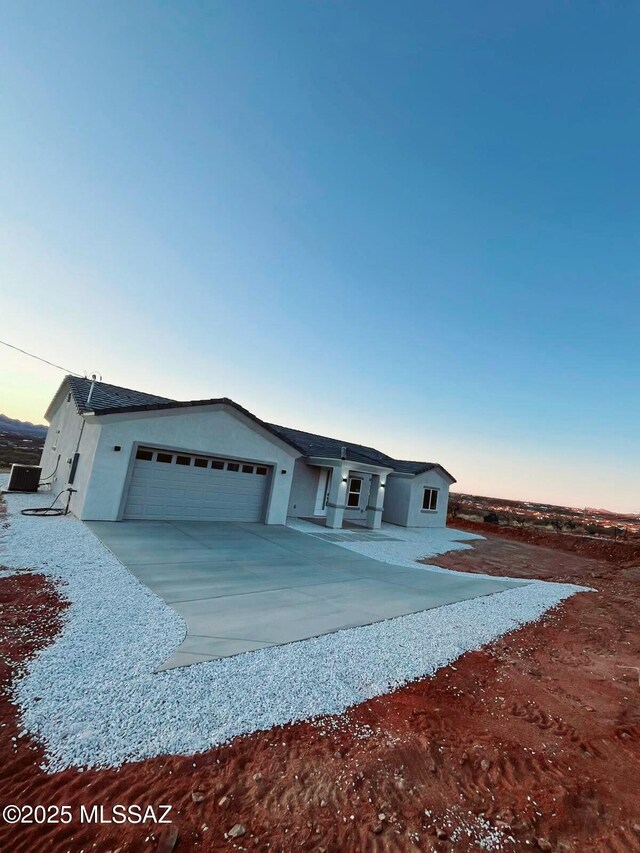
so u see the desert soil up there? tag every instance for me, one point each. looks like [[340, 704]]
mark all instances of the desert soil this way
[[532, 743]]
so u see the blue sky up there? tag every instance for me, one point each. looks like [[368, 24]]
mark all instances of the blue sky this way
[[413, 225]]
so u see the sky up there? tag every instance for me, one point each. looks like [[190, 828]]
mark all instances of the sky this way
[[411, 225]]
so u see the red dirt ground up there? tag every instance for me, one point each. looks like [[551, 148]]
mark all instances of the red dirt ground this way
[[535, 739], [621, 551]]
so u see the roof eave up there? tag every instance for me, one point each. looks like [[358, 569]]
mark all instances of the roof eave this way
[[418, 472], [335, 462], [433, 468], [447, 474], [55, 404]]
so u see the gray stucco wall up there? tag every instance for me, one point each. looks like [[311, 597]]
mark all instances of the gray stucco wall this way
[[68, 433], [417, 517], [361, 512], [61, 440], [214, 431], [396, 499], [403, 500], [84, 472], [304, 490]]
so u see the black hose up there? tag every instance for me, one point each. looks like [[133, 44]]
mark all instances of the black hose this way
[[50, 510], [52, 474]]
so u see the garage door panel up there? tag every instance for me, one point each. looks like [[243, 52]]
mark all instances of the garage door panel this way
[[165, 490]]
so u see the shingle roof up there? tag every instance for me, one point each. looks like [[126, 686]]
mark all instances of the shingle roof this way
[[112, 399], [403, 466], [105, 396], [321, 445]]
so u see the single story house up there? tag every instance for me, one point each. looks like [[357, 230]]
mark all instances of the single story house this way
[[131, 455]]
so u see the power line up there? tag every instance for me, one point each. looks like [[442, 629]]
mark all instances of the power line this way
[[31, 355]]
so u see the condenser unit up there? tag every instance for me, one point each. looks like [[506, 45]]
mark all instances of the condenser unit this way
[[24, 478]]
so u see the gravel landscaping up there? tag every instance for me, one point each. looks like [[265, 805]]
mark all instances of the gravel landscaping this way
[[93, 697]]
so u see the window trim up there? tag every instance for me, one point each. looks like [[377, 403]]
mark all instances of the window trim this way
[[168, 461], [434, 491], [351, 492]]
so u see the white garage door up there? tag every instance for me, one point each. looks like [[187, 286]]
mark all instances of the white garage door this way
[[176, 486]]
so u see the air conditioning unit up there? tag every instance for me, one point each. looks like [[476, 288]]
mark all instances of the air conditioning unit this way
[[24, 478]]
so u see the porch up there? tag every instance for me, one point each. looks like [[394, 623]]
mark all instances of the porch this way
[[349, 493]]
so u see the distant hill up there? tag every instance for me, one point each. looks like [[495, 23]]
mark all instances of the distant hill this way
[[523, 514], [20, 441], [26, 428]]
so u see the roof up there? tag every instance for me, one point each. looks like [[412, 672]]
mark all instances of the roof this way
[[321, 445], [112, 399], [312, 444], [105, 396], [403, 466]]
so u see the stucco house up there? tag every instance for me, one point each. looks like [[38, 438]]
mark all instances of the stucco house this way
[[132, 455]]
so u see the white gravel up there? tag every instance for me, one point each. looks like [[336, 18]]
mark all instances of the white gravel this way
[[93, 699]]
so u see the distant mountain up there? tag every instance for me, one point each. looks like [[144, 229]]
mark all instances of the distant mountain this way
[[16, 427]]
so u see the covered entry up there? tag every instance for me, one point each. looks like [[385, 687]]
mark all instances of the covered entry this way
[[170, 485], [349, 490]]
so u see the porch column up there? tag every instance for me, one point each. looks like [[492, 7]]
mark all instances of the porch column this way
[[337, 499], [376, 502]]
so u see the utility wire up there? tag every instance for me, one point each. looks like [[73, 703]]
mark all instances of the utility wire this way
[[31, 355]]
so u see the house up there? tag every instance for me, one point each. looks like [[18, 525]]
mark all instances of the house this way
[[132, 455]]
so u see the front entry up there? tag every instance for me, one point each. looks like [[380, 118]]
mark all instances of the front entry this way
[[322, 496], [355, 495]]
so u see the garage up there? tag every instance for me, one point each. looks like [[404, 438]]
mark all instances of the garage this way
[[171, 485]]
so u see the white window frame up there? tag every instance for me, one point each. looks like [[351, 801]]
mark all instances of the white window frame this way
[[351, 491], [433, 491]]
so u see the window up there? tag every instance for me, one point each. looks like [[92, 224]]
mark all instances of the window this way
[[233, 466], [183, 460], [218, 464], [164, 457], [430, 500], [261, 470], [247, 469], [201, 463], [353, 494], [141, 453]]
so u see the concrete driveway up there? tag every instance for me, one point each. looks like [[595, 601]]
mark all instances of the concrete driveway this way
[[241, 587]]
